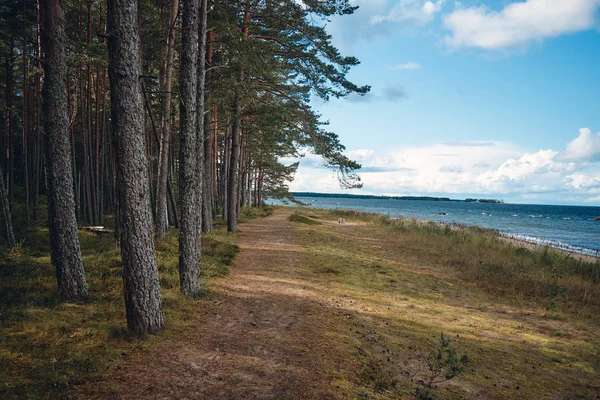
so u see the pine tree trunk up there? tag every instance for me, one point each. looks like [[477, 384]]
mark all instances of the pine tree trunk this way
[[236, 132], [214, 130], [65, 251], [207, 195], [207, 181], [162, 222], [234, 164], [25, 122], [140, 274], [201, 120], [189, 251], [225, 161], [8, 128], [8, 227]]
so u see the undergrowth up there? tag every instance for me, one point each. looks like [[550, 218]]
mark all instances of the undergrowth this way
[[304, 219], [249, 213], [48, 347]]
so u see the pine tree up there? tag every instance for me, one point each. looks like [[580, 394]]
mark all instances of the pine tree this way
[[165, 141], [140, 274], [189, 249], [64, 243]]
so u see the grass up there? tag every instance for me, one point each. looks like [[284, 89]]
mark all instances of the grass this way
[[304, 219], [526, 318], [249, 213], [540, 276], [48, 347]]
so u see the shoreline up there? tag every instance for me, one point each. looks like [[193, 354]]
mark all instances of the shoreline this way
[[537, 246], [513, 238], [534, 243], [519, 240]]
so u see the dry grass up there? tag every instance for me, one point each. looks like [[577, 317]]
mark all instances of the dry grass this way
[[526, 318]]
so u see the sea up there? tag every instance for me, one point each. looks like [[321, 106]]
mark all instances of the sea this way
[[571, 228]]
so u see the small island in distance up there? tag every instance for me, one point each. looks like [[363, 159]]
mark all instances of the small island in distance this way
[[367, 196]]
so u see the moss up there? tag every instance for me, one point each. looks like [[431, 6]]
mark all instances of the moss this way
[[47, 346]]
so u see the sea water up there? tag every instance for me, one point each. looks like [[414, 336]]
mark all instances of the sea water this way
[[572, 228]]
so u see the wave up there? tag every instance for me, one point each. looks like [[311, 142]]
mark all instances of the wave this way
[[553, 243]]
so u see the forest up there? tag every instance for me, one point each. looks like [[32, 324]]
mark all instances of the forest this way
[[159, 114], [140, 141]]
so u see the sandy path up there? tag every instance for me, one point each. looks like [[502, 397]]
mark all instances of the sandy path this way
[[266, 336]]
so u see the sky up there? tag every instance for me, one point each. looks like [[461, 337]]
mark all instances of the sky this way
[[486, 99]]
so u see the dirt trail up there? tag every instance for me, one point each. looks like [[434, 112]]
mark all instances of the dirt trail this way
[[267, 335]]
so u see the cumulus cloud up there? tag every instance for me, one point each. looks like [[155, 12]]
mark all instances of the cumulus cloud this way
[[540, 162], [586, 147], [518, 23], [485, 168], [408, 65], [414, 11], [584, 181]]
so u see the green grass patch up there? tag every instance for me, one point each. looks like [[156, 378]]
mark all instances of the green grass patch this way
[[250, 213], [303, 219]]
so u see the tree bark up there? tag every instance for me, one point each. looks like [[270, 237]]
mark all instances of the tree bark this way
[[8, 127], [65, 250], [140, 274], [207, 189], [201, 120], [234, 167], [207, 180], [25, 119], [8, 227], [234, 164], [162, 221], [225, 165], [189, 251]]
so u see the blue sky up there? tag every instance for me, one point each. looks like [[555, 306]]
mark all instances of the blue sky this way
[[472, 99]]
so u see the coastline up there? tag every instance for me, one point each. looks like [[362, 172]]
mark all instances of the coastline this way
[[513, 238], [537, 246]]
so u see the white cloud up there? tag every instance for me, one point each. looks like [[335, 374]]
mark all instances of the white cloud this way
[[518, 23], [415, 11], [464, 169], [408, 65], [584, 181], [586, 147], [361, 155]]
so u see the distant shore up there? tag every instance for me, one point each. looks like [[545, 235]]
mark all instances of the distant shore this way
[[371, 197]]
